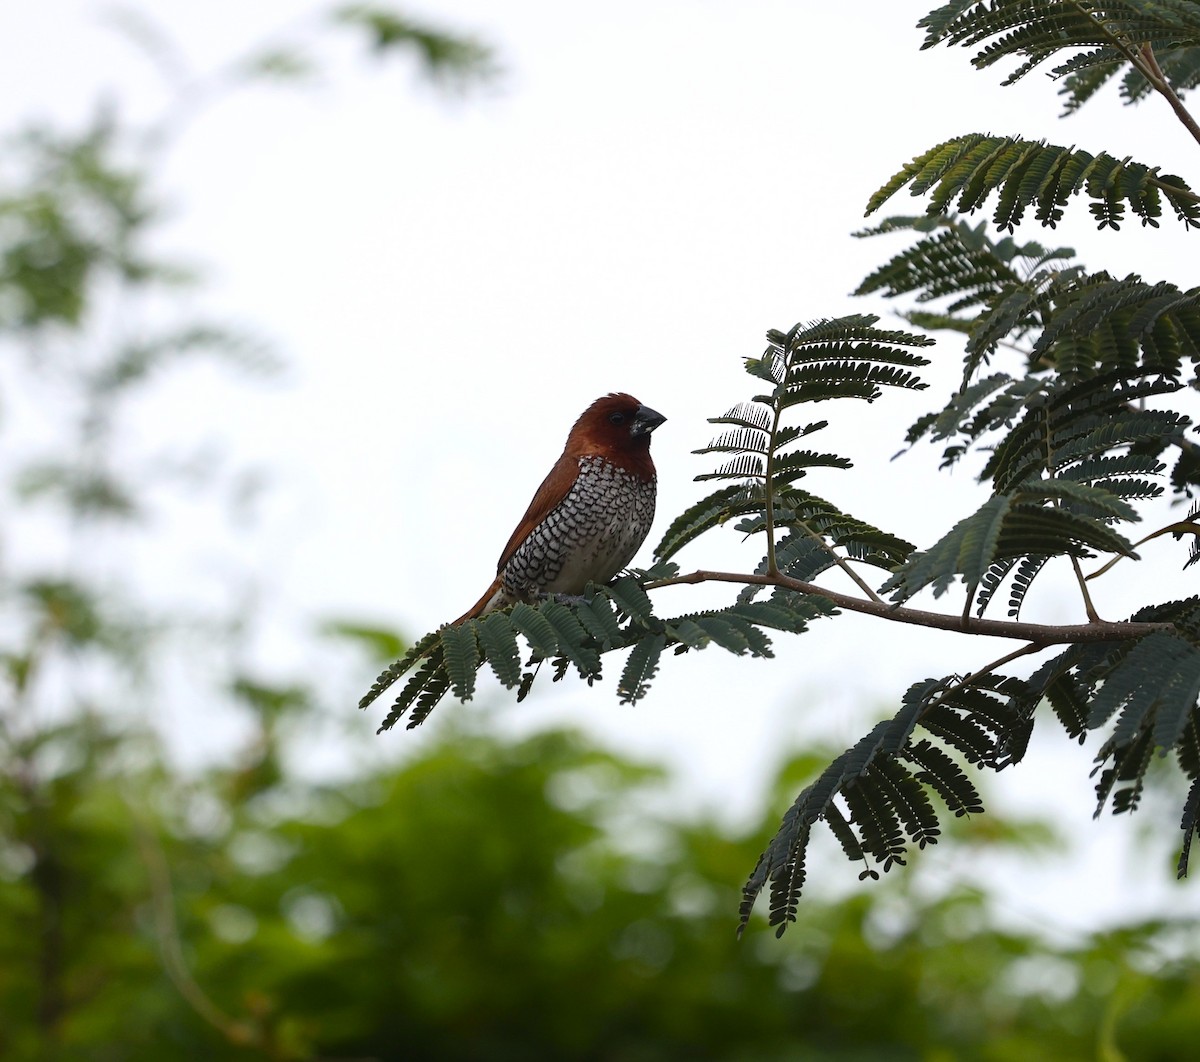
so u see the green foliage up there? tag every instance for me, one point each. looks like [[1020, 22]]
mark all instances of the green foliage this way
[[78, 215], [1028, 173], [77, 218], [961, 263], [1104, 37], [206, 917], [886, 781], [450, 58], [1180, 67], [1006, 528], [1071, 449], [1095, 350]]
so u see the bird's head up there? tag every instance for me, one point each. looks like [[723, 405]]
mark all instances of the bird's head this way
[[614, 426]]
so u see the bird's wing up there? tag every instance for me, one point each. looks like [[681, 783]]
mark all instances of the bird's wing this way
[[552, 491]]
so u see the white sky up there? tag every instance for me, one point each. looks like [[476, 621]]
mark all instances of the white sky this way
[[644, 192]]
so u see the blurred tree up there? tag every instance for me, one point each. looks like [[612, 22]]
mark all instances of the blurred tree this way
[[249, 913], [89, 315]]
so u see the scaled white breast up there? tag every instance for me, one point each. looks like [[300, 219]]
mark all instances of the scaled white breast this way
[[590, 536]]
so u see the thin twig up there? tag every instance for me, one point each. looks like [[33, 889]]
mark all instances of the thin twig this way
[[975, 676], [1081, 579], [1007, 658], [841, 562]]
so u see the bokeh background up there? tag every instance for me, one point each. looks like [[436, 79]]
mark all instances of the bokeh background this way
[[309, 304]]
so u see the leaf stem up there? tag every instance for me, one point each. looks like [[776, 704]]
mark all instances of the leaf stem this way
[[974, 676], [841, 562], [1092, 615], [1007, 658], [1174, 189], [1180, 527], [769, 466]]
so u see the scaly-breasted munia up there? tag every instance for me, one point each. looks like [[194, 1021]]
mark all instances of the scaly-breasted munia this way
[[591, 512]]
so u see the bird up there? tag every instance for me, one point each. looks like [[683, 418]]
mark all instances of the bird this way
[[590, 514]]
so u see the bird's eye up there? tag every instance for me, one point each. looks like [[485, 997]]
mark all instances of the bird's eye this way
[[616, 418]]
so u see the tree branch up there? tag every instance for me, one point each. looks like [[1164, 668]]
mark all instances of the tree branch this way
[[1141, 58], [1039, 634], [1152, 72]]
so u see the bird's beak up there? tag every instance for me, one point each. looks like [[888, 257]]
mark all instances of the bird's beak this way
[[645, 420]]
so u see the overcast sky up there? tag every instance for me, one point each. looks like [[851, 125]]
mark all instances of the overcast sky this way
[[640, 195]]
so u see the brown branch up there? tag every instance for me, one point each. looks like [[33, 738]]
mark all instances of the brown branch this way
[[1141, 57], [1040, 634], [1152, 72]]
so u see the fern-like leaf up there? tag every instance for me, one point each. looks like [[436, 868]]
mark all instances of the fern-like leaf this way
[[1073, 421], [740, 440], [536, 628], [974, 166], [640, 668], [627, 594], [1101, 39], [876, 819], [393, 672], [1029, 569], [712, 511], [461, 653], [1189, 824], [598, 617], [1159, 675], [791, 466], [940, 772], [968, 549], [431, 694], [498, 641], [909, 798], [782, 862], [753, 416], [574, 641], [842, 830], [429, 681]]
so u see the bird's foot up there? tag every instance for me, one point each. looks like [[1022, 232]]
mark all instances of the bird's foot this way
[[568, 599]]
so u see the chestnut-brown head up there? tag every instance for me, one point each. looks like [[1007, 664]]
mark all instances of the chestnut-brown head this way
[[618, 428]]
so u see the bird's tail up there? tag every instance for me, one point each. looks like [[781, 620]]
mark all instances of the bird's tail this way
[[492, 597]]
